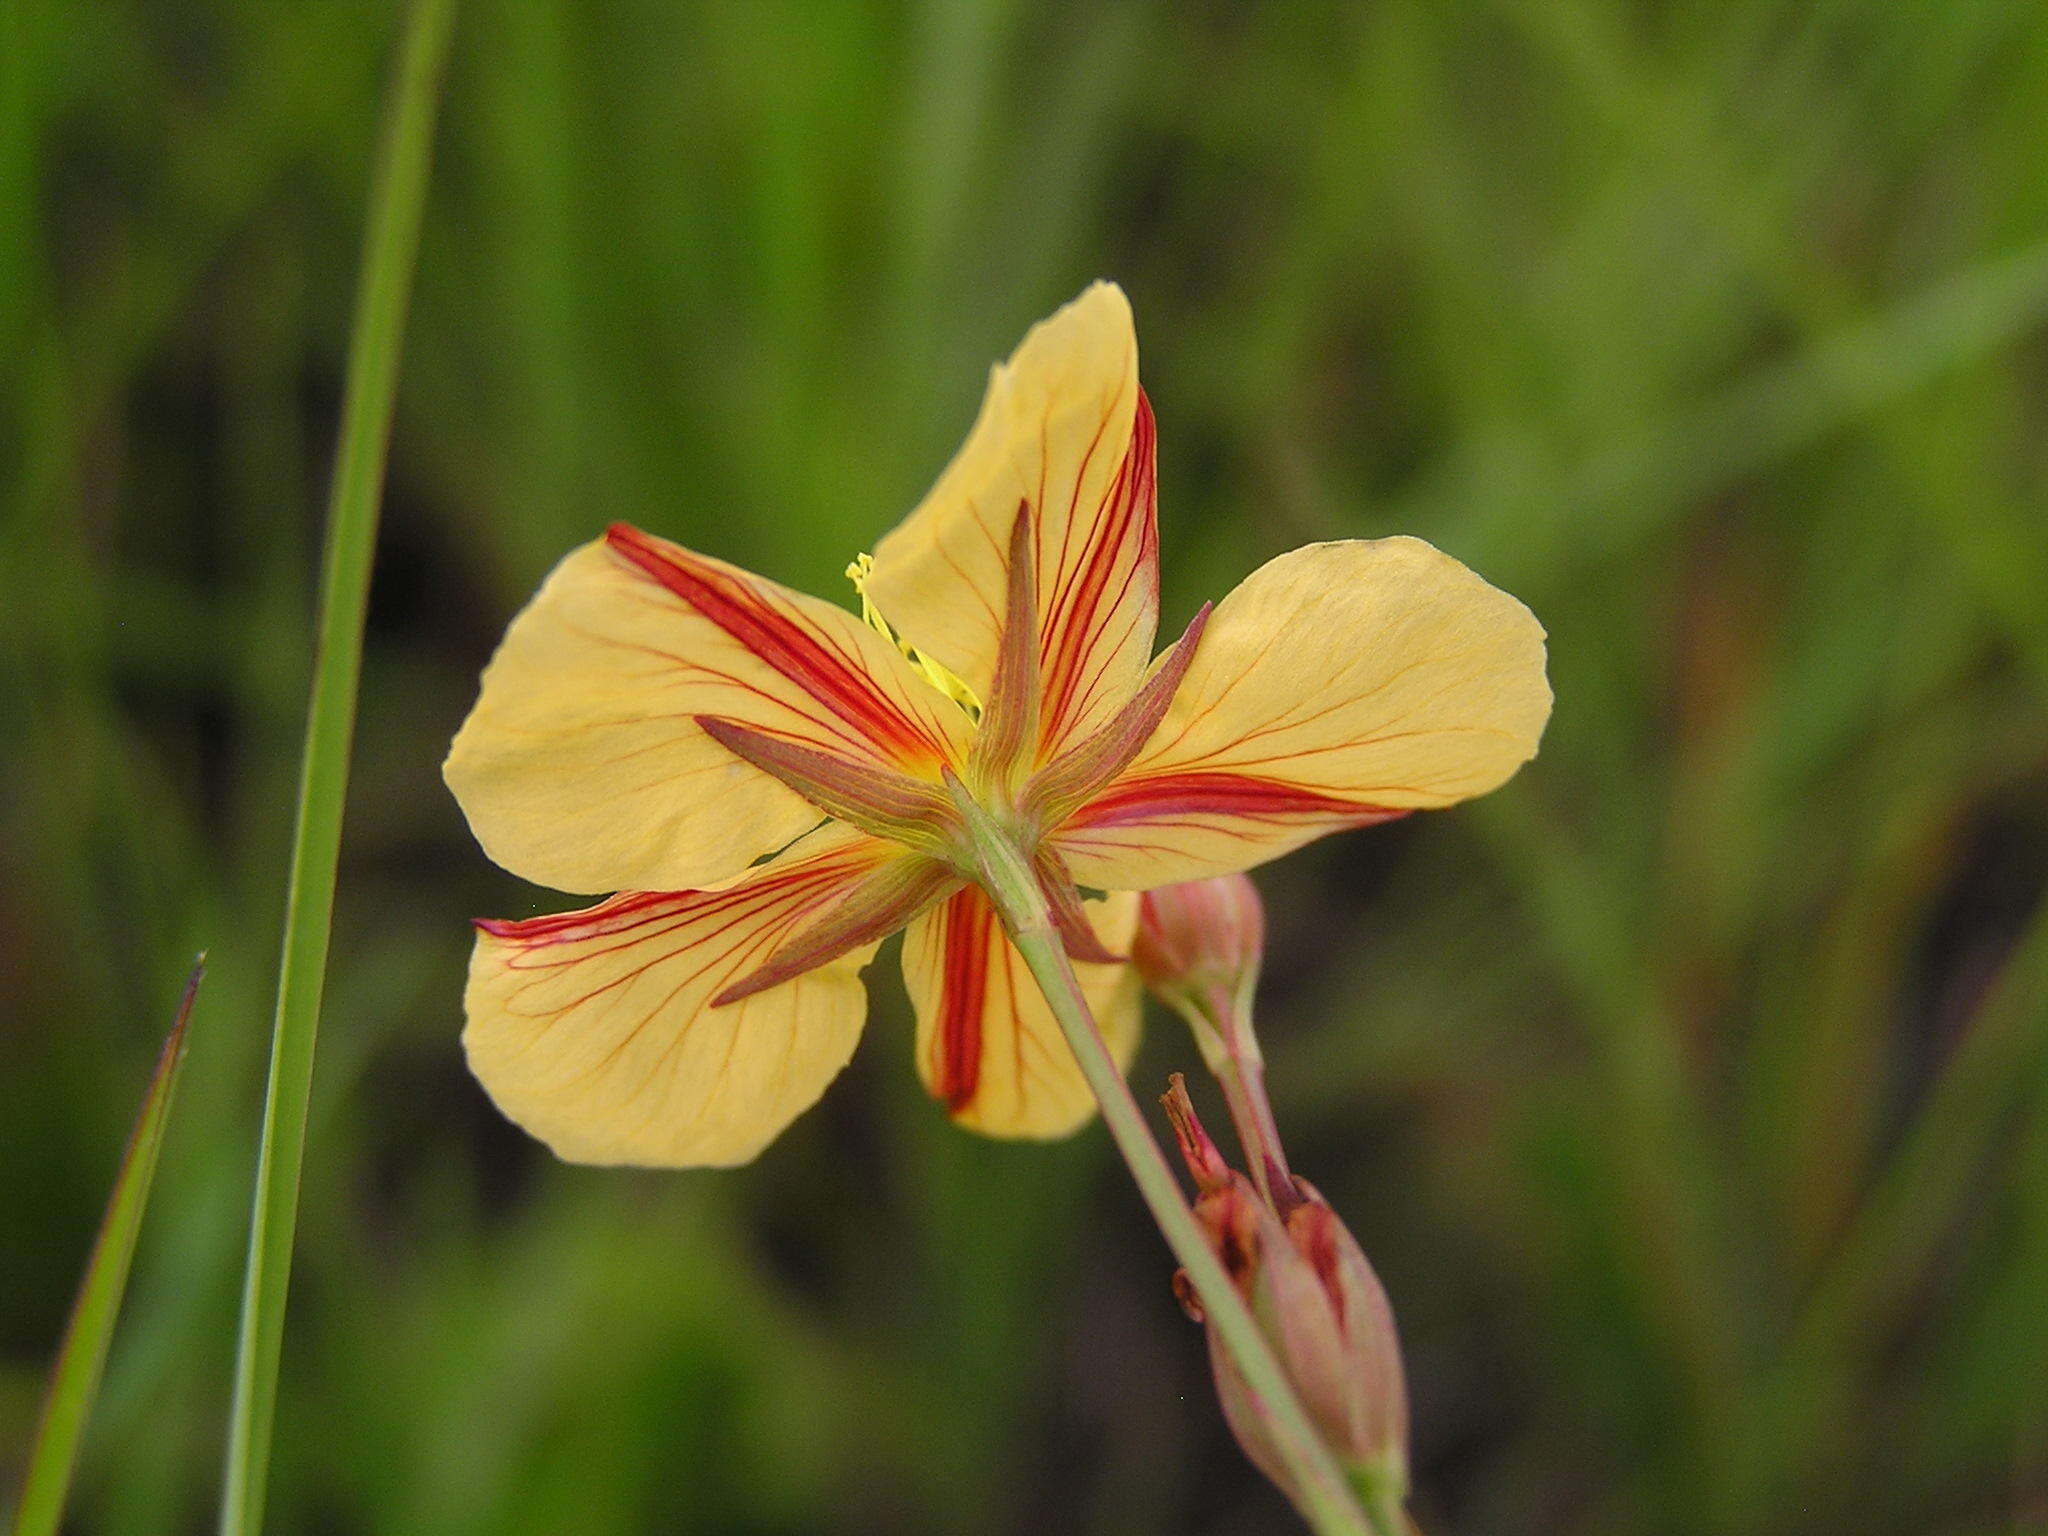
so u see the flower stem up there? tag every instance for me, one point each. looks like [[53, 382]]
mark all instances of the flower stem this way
[[1324, 1495], [1221, 1022]]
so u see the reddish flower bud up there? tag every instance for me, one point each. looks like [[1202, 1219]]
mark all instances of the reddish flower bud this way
[[1307, 1283], [1367, 1417], [1200, 942]]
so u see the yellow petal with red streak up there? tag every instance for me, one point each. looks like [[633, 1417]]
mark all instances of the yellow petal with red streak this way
[[583, 765], [596, 1030], [1341, 684], [988, 1047], [1064, 431]]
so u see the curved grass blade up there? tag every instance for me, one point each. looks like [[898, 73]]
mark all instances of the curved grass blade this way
[[390, 243], [75, 1379]]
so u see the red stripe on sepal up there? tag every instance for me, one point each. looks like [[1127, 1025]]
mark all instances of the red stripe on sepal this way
[[1010, 714], [877, 907], [1073, 777], [1069, 913], [915, 812]]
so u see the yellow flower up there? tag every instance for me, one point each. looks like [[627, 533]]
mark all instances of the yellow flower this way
[[764, 777]]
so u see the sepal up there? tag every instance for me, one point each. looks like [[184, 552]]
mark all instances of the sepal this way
[[914, 812], [1010, 716], [878, 906], [1066, 783], [1069, 916]]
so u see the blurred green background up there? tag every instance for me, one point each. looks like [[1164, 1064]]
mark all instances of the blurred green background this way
[[1691, 1094]]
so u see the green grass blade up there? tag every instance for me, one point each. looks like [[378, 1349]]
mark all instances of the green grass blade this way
[[75, 1380], [391, 241]]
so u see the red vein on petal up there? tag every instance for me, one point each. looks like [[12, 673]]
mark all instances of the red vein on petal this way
[[556, 926], [1204, 793], [714, 934], [1076, 646], [1072, 520], [621, 918], [779, 639], [966, 925]]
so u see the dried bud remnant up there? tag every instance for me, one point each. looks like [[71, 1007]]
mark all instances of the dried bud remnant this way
[[1316, 1298]]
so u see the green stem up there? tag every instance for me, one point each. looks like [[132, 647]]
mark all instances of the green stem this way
[[391, 240], [1244, 1094], [1323, 1494]]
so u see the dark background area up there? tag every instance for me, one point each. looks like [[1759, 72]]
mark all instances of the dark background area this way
[[1691, 1093]]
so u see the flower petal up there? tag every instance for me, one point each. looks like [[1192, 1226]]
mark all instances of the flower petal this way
[[988, 1046], [1341, 684], [596, 1030], [1065, 432], [583, 765]]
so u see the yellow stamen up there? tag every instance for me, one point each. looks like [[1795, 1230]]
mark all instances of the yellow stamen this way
[[939, 677]]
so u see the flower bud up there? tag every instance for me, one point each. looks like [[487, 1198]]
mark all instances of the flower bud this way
[[1198, 946], [1367, 1419], [1200, 933], [1307, 1284]]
